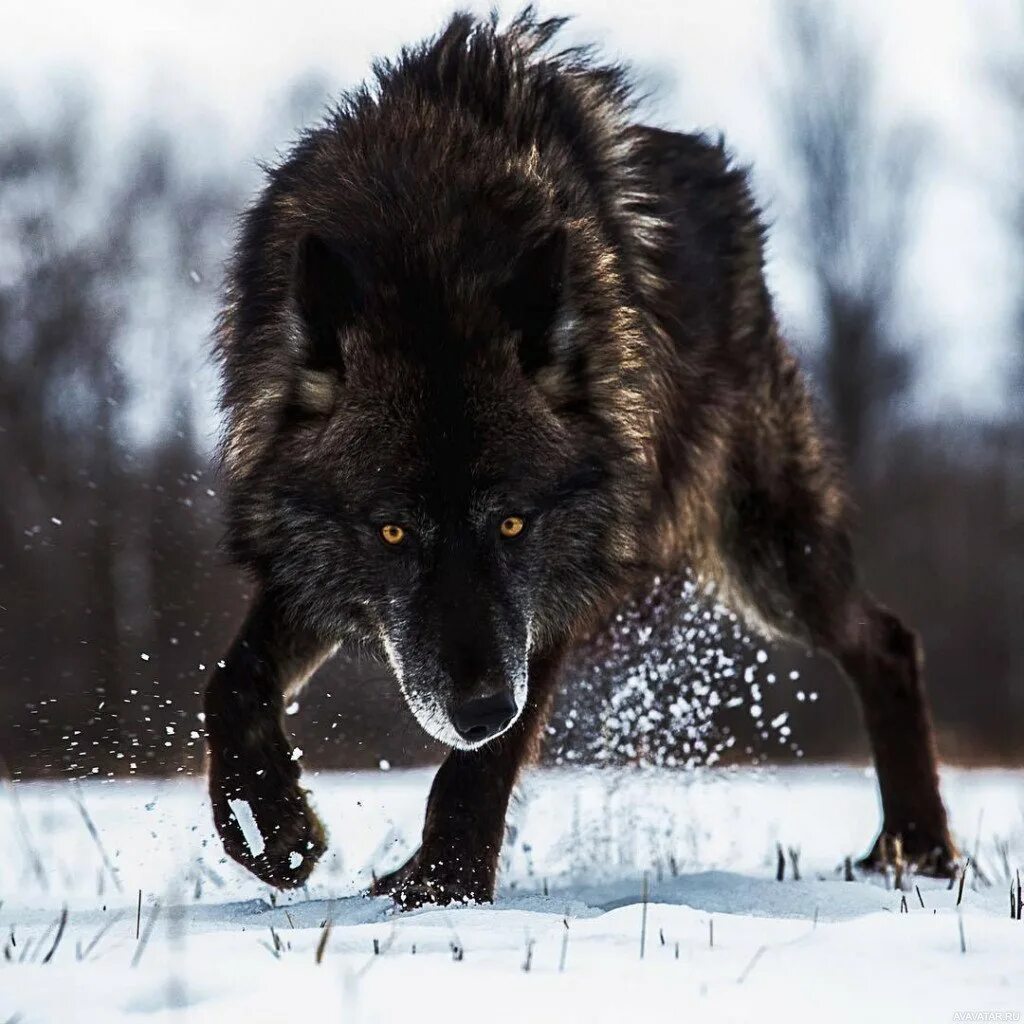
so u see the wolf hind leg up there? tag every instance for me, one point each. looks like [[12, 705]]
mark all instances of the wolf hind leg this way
[[789, 556], [883, 658]]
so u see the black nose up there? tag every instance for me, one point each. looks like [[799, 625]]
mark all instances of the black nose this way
[[480, 718]]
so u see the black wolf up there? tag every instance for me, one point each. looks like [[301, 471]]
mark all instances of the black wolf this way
[[494, 355]]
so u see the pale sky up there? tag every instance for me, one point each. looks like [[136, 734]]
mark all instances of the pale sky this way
[[211, 69]]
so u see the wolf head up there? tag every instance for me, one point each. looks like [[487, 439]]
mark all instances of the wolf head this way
[[425, 489], [433, 441]]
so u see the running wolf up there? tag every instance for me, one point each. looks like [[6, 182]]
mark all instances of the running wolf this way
[[493, 355]]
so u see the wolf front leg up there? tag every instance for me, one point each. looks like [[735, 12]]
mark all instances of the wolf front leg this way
[[260, 810], [465, 821]]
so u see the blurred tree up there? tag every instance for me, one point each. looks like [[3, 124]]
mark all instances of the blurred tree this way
[[61, 385], [83, 585], [1008, 75], [855, 184]]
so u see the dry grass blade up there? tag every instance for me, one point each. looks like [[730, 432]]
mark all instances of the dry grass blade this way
[[380, 949], [37, 945], [972, 861], [644, 892], [60, 934], [144, 940], [85, 951], [79, 802], [1003, 849], [26, 838], [963, 878], [750, 966], [528, 960], [794, 861], [898, 862], [325, 935]]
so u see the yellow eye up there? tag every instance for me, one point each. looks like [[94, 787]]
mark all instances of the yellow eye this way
[[392, 534], [511, 526]]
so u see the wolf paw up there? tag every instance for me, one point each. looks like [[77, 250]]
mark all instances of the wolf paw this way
[[274, 834], [416, 884], [933, 856]]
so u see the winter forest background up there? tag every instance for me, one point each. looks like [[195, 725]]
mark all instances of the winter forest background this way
[[887, 143]]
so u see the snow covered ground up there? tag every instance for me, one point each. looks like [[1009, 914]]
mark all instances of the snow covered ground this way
[[723, 939]]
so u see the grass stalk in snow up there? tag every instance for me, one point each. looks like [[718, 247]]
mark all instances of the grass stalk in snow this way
[[528, 959], [963, 878], [325, 935], [82, 952], [794, 861], [31, 852], [898, 863], [143, 941], [36, 945], [643, 915], [60, 934], [1003, 849], [750, 966], [973, 859], [90, 825]]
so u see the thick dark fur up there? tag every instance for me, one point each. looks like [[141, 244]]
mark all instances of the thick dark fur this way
[[481, 290]]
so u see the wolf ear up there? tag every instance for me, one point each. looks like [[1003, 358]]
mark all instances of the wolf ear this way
[[532, 296], [328, 289]]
